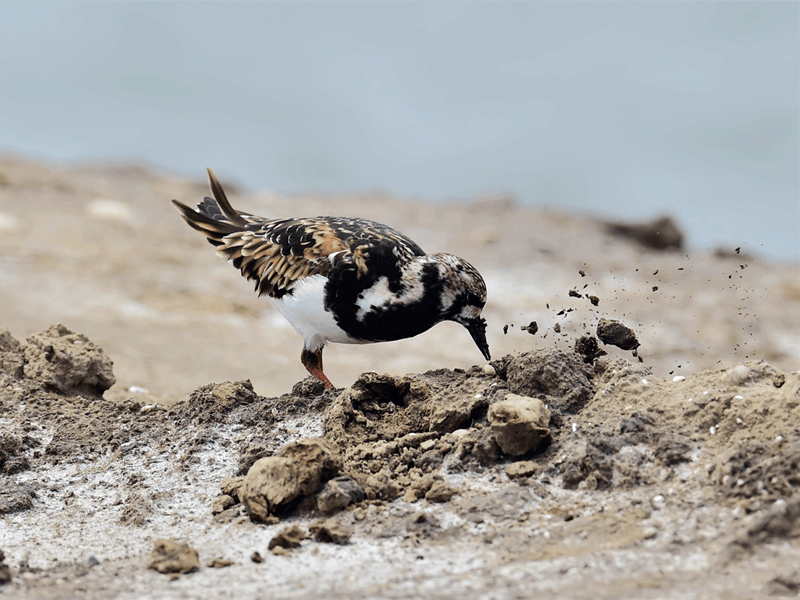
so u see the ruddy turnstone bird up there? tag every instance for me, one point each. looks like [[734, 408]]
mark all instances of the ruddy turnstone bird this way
[[344, 280]]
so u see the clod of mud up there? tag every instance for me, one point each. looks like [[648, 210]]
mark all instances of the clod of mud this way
[[531, 328], [559, 378], [440, 492], [330, 532], [588, 348], [56, 359], [169, 556], [15, 497], [5, 570], [521, 469], [616, 334], [339, 493], [660, 234], [219, 563], [298, 469], [519, 424], [60, 359], [287, 539]]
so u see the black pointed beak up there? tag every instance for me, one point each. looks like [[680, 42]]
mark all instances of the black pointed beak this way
[[477, 329]]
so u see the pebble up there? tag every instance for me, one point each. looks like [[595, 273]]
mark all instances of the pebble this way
[[712, 430], [574, 427], [649, 533], [137, 389], [659, 500], [779, 439], [678, 378], [738, 397], [644, 382], [489, 370], [739, 421]]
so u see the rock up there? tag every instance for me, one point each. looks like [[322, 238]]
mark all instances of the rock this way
[[338, 493], [616, 334], [382, 485], [230, 486], [14, 498], [221, 503], [169, 556], [587, 347], [298, 469], [69, 362], [330, 532], [5, 570], [522, 468], [519, 424], [288, 537], [456, 412], [440, 492], [219, 563]]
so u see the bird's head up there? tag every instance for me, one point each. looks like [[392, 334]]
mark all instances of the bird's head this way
[[463, 297]]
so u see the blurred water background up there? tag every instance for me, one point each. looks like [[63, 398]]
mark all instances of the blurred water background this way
[[627, 109]]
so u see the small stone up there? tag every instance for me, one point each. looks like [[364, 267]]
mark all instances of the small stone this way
[[330, 532], [440, 492], [489, 370], [522, 468], [519, 423], [219, 563], [678, 378], [288, 538], [339, 493], [649, 533], [221, 503], [616, 334], [256, 557], [169, 556]]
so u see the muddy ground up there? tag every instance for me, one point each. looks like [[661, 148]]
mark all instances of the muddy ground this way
[[158, 438]]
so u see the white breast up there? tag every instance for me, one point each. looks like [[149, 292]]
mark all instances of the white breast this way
[[305, 310]]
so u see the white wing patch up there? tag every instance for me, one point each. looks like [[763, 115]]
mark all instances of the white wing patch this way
[[379, 296]]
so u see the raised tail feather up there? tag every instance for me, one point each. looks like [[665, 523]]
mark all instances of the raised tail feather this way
[[216, 217]]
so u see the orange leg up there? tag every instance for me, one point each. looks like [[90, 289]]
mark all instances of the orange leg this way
[[312, 361]]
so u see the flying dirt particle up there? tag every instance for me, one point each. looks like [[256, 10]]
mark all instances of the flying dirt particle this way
[[655, 288], [616, 334], [575, 294], [557, 327], [256, 557], [581, 273], [594, 300], [531, 328], [505, 329], [654, 272], [738, 249]]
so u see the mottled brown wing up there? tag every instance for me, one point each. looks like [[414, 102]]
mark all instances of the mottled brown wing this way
[[275, 253]]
